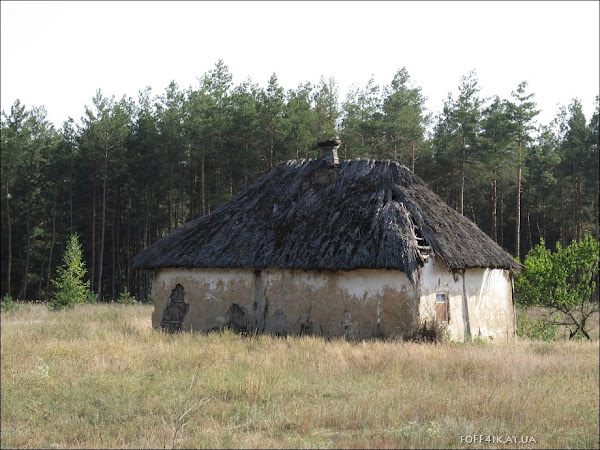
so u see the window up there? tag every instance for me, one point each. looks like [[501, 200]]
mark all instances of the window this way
[[441, 308]]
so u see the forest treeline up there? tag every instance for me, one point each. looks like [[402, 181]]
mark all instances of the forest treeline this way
[[130, 171]]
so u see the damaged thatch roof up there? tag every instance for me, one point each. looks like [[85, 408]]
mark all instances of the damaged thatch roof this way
[[308, 215]]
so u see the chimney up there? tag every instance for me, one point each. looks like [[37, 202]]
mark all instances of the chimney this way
[[330, 152]]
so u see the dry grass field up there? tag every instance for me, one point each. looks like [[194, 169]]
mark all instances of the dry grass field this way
[[100, 377]]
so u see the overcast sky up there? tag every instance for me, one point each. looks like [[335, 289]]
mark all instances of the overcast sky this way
[[57, 54]]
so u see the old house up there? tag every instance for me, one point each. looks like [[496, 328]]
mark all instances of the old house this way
[[355, 248]]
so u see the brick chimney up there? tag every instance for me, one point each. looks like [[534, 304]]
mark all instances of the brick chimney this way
[[330, 151]]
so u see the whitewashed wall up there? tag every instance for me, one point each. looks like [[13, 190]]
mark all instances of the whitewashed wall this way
[[480, 300], [358, 304]]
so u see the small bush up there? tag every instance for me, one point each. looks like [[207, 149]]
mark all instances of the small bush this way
[[429, 331], [538, 330], [8, 304], [125, 298], [563, 281], [69, 284], [480, 340]]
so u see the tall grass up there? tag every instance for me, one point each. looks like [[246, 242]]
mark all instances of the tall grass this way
[[98, 376]]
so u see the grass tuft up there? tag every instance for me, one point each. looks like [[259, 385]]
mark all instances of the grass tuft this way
[[99, 376]]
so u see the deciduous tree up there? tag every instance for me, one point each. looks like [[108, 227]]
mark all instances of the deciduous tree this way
[[562, 281]]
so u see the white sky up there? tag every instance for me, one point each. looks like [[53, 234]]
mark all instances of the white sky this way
[[57, 54]]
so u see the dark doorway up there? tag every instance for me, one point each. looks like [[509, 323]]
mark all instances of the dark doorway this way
[[175, 310], [238, 321]]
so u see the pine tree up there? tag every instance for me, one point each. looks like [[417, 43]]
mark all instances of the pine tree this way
[[404, 120], [70, 287], [523, 113]]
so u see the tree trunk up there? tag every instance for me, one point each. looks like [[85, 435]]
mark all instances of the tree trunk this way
[[51, 250], [501, 218], [246, 168], [29, 205], [118, 232], [494, 210], [577, 210], [42, 268], [518, 209], [9, 237], [114, 253], [461, 196], [542, 229], [596, 206], [181, 219], [26, 272], [413, 158], [170, 203], [93, 265], [202, 185], [128, 247], [102, 229], [562, 217], [147, 219], [231, 163], [271, 148], [530, 241], [192, 191], [71, 204]]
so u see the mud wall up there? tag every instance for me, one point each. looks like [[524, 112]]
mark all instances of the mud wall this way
[[357, 304], [480, 301]]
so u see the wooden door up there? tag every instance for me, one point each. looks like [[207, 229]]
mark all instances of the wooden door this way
[[441, 308]]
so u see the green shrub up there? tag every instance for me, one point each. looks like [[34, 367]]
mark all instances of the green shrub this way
[[125, 298], [8, 304], [538, 330], [479, 340], [563, 281], [69, 285], [91, 298]]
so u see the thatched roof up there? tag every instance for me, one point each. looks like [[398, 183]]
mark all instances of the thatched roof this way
[[308, 215]]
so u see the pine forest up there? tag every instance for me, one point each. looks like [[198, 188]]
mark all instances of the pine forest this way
[[132, 170]]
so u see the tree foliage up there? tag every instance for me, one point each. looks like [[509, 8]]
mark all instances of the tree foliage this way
[[129, 172], [562, 280], [69, 284]]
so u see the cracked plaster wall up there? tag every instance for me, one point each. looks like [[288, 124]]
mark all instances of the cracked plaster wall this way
[[486, 293], [357, 304]]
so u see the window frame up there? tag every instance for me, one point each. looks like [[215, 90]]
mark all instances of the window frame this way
[[446, 302]]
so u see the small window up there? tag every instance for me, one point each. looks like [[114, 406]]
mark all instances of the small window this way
[[441, 308]]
